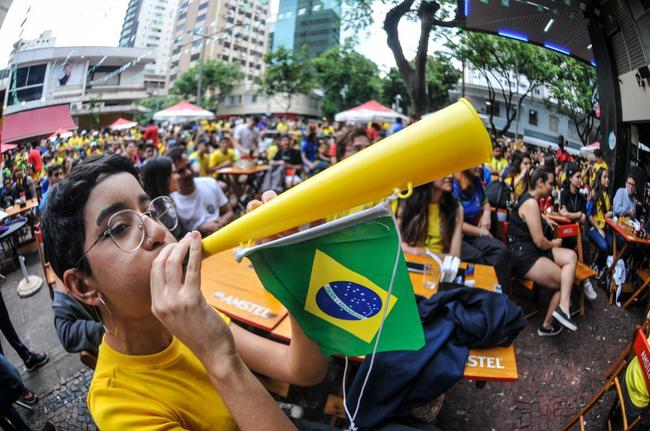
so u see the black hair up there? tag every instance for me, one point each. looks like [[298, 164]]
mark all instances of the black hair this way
[[549, 162], [414, 224], [53, 168], [571, 169], [62, 221], [598, 153], [398, 120], [538, 174], [176, 154], [348, 136], [599, 192], [155, 176]]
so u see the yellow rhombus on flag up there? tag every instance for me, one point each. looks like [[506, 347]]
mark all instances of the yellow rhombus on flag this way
[[326, 271]]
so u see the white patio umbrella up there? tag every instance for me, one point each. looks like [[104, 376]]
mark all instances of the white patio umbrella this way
[[182, 112], [369, 111]]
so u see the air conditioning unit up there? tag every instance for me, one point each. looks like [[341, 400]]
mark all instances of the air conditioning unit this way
[[76, 106]]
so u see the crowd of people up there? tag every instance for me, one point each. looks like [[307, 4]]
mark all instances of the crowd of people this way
[[102, 181]]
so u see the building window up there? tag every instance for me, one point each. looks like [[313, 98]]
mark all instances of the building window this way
[[492, 108], [101, 74], [203, 5], [195, 57], [28, 85], [200, 17], [532, 117], [554, 123]]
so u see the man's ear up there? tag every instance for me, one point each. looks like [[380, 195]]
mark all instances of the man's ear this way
[[75, 281]]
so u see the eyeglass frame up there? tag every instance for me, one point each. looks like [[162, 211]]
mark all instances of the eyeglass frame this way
[[107, 232]]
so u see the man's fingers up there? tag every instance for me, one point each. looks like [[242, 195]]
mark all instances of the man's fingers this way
[[193, 273], [253, 204]]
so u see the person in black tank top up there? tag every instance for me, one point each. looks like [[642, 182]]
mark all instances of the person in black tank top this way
[[539, 259]]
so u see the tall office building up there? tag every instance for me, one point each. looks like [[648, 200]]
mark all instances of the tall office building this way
[[234, 31], [312, 24], [149, 24], [4, 8]]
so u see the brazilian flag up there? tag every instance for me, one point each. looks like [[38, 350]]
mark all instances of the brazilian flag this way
[[335, 278]]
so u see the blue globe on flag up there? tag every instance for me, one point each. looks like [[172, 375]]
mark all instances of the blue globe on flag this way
[[347, 300]]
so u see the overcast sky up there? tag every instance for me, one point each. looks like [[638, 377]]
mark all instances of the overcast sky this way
[[99, 22]]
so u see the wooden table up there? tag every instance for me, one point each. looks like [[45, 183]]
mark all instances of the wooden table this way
[[231, 176], [16, 209], [492, 364], [630, 238], [236, 291]]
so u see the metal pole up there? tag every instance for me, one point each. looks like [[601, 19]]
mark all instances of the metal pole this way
[[463, 80], [200, 78]]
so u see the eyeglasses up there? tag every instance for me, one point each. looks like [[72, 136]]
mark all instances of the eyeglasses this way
[[126, 227], [630, 183]]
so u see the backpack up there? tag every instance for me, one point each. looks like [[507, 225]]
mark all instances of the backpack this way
[[498, 194]]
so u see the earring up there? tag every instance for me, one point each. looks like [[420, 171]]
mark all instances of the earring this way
[[110, 315]]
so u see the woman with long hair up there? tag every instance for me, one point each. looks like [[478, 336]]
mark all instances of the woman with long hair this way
[[518, 174], [159, 179], [432, 219], [478, 244], [598, 208], [539, 259]]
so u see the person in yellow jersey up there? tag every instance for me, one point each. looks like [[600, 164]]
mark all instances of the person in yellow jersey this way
[[518, 174], [599, 207], [223, 156], [200, 158], [498, 163], [635, 394], [432, 219], [168, 361]]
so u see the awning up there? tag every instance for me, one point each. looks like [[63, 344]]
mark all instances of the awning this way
[[36, 123]]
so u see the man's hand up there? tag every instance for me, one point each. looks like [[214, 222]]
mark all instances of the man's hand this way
[[179, 305], [210, 227]]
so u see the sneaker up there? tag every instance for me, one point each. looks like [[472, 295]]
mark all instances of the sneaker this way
[[590, 293], [564, 319], [28, 397], [549, 332], [36, 360]]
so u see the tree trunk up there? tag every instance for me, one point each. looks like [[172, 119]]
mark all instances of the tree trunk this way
[[414, 77]]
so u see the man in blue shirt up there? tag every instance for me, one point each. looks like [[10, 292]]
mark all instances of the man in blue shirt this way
[[396, 126], [624, 201]]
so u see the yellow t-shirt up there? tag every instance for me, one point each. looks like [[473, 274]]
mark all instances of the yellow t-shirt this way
[[433, 242], [169, 390], [271, 152], [203, 162], [520, 189], [217, 157], [635, 382], [598, 214], [498, 165]]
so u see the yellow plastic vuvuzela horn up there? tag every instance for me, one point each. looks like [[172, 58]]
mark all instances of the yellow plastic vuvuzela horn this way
[[451, 140]]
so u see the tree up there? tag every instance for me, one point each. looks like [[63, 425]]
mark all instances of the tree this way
[[512, 70], [346, 77], [429, 13], [574, 92], [218, 80], [286, 74], [442, 76]]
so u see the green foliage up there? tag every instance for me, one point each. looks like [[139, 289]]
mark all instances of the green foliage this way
[[442, 76], [347, 78], [286, 74], [574, 91], [502, 62], [394, 90], [218, 80]]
